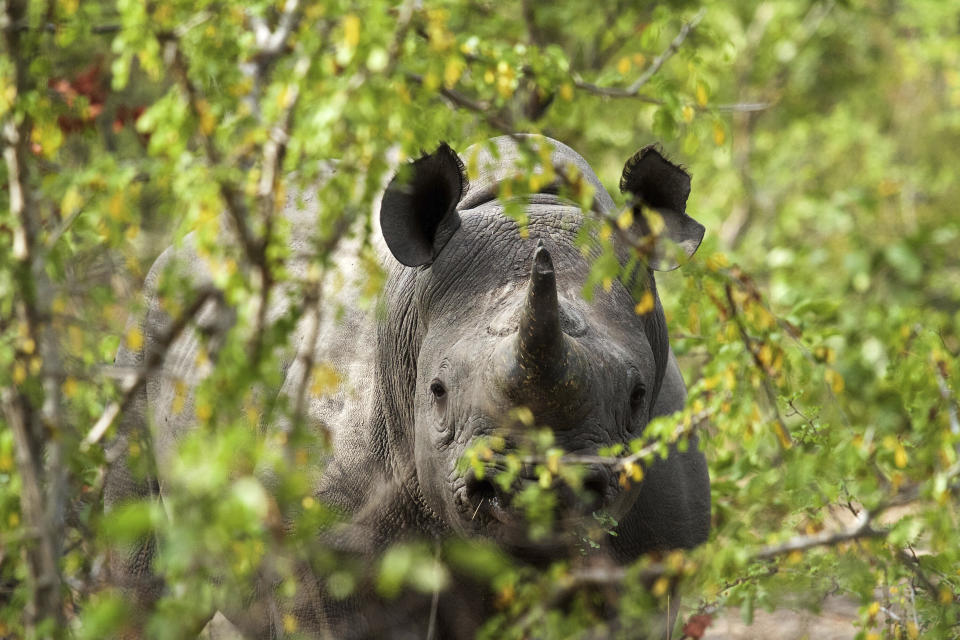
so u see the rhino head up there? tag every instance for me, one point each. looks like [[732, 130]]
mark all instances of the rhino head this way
[[483, 319]]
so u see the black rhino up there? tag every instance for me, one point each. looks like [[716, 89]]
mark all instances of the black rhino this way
[[479, 319]]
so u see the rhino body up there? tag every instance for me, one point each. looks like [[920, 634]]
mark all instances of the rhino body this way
[[479, 319]]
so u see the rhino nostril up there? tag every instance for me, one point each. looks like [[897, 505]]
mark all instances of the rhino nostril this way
[[479, 490], [595, 491]]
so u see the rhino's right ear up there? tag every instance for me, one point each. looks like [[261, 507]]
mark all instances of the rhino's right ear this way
[[659, 184], [418, 213]]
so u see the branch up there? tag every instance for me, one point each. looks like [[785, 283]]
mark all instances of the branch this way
[[862, 529], [771, 393], [232, 198], [633, 91], [35, 429], [272, 43], [132, 381], [940, 369], [460, 100], [616, 463]]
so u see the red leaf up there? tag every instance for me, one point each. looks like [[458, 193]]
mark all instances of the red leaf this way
[[697, 625]]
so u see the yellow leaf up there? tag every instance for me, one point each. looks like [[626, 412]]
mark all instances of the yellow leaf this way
[[326, 379], [545, 479], [553, 462], [134, 339], [900, 456], [204, 411], [179, 397], [701, 95], [289, 623], [605, 232], [523, 415], [115, 207], [351, 30], [506, 595], [913, 632], [623, 65], [655, 222], [717, 261], [688, 113], [719, 134], [566, 91], [207, 121], [70, 387], [675, 561], [873, 609], [72, 200], [660, 586], [284, 97], [639, 59], [19, 373], [795, 557], [765, 354], [607, 283], [834, 379], [645, 305], [625, 219], [452, 71]]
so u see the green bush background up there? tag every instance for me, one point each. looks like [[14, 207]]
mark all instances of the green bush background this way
[[818, 326]]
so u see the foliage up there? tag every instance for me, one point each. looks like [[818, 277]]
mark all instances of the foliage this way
[[819, 325]]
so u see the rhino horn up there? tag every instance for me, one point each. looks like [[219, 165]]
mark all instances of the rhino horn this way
[[540, 340]]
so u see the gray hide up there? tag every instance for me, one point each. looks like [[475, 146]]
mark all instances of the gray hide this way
[[446, 361]]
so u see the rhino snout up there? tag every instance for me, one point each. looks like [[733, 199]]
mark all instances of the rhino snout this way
[[485, 498]]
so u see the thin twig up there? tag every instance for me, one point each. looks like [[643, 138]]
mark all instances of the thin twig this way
[[940, 369], [633, 91], [157, 355], [460, 100], [685, 427]]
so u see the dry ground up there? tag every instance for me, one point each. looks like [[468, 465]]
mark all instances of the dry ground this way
[[834, 622]]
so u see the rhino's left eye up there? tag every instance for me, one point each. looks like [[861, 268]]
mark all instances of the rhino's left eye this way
[[636, 398], [438, 391]]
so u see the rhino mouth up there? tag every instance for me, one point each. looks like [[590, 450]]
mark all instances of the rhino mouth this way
[[487, 506]]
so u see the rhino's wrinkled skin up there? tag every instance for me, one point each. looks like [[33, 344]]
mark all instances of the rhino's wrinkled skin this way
[[478, 320]]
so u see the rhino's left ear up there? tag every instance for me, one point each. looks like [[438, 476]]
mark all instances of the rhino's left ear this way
[[418, 213], [661, 185]]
